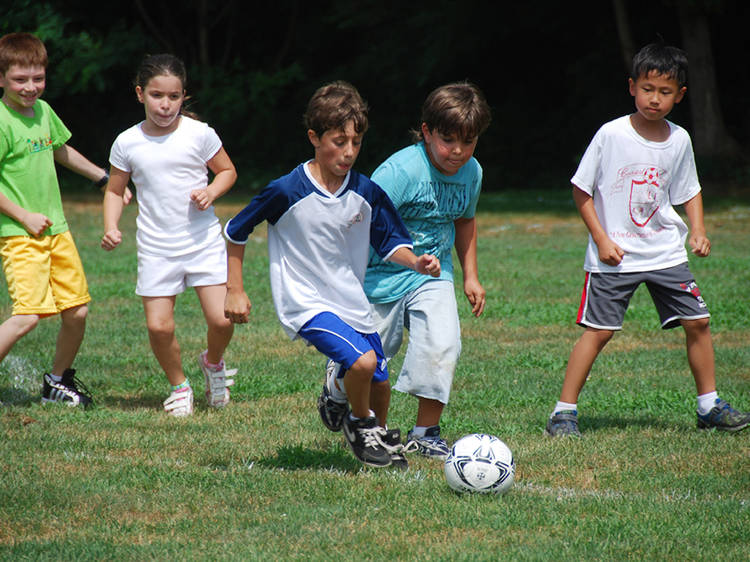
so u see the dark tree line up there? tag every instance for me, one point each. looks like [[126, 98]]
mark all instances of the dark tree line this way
[[553, 72]]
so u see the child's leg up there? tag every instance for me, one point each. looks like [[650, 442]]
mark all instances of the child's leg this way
[[700, 352], [13, 329], [380, 400], [69, 338], [219, 328], [429, 412], [581, 359], [357, 381], [161, 334]]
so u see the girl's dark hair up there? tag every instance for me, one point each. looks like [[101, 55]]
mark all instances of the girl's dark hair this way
[[163, 65], [664, 59], [457, 108], [333, 105]]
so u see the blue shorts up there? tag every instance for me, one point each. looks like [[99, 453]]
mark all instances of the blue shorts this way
[[341, 343]]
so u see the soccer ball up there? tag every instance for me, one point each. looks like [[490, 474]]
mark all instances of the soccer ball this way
[[480, 463]]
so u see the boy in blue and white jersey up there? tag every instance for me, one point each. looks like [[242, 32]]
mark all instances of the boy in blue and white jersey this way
[[323, 217]]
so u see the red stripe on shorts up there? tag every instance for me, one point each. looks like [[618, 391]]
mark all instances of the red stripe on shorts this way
[[584, 297]]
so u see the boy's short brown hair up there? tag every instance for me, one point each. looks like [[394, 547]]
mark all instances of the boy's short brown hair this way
[[333, 105], [457, 108], [22, 49]]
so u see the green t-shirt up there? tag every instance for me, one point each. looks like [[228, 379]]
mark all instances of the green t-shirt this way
[[27, 165]]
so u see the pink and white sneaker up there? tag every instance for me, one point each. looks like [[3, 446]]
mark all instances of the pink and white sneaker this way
[[218, 380]]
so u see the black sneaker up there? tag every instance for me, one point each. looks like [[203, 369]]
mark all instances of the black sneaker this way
[[365, 439], [66, 391], [723, 417], [332, 413], [392, 442]]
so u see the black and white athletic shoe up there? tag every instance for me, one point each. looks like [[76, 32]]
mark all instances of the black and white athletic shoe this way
[[365, 439], [69, 390]]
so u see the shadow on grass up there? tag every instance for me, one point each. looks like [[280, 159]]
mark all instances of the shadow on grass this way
[[13, 396], [603, 422], [297, 457], [132, 403]]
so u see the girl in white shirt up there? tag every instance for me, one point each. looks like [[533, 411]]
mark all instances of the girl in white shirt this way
[[178, 237]]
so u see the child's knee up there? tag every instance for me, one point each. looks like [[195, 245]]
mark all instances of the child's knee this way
[[697, 326], [366, 364], [75, 315], [160, 327], [24, 323]]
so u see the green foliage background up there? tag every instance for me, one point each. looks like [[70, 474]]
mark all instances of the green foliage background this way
[[552, 72]]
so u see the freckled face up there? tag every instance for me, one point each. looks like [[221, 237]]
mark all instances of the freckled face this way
[[22, 86], [447, 152], [337, 149]]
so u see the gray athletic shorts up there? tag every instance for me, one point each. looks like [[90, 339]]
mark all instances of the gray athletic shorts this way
[[606, 297]]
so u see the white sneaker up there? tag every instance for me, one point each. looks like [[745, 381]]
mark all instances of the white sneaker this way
[[218, 382], [180, 403], [334, 383]]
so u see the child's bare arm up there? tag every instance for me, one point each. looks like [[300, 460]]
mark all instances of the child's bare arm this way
[[75, 161], [466, 250], [224, 177], [699, 242], [112, 207], [609, 252], [34, 223], [426, 264], [237, 305]]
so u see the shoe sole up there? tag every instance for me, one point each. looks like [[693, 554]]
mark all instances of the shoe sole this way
[[704, 427]]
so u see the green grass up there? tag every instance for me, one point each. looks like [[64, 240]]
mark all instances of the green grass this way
[[263, 479]]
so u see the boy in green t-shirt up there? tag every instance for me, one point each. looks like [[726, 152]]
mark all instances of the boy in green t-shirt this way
[[40, 261]]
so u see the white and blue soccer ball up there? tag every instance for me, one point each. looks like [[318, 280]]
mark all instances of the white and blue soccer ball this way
[[480, 463]]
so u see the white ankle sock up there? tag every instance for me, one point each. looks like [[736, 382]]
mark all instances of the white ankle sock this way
[[560, 406], [706, 402]]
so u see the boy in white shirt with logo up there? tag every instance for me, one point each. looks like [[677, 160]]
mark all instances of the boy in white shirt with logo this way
[[634, 170]]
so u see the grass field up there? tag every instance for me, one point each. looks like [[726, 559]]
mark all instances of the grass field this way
[[263, 479]]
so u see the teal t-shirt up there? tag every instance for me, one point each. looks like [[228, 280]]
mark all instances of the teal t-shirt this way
[[27, 165], [428, 202]]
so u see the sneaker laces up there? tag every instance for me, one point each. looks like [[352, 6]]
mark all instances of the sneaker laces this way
[[69, 379], [372, 437]]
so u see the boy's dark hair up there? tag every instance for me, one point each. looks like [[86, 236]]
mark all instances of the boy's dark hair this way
[[664, 59], [163, 64], [457, 108], [22, 49], [333, 105]]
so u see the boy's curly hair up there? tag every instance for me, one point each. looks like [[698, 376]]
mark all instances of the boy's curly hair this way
[[457, 108], [333, 105]]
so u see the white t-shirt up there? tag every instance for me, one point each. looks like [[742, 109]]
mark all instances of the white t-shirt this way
[[634, 183], [319, 242], [164, 171]]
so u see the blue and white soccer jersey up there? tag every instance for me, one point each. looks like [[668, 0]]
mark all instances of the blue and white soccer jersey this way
[[318, 244]]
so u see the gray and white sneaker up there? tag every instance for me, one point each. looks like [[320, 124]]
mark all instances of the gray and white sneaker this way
[[365, 438], [431, 445], [69, 390], [563, 424]]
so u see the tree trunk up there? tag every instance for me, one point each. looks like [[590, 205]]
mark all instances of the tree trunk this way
[[710, 136]]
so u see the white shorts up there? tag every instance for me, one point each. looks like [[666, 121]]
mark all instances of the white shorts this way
[[430, 314], [163, 276]]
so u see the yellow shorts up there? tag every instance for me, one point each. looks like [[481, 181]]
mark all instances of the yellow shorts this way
[[44, 275]]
